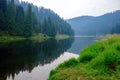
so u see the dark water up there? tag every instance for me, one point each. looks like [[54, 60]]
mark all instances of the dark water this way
[[32, 60]]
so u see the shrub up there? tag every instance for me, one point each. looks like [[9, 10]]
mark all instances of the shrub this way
[[52, 72], [116, 46], [87, 56], [69, 63], [108, 59], [91, 52]]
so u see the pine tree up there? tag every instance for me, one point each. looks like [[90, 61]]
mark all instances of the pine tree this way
[[2, 21], [20, 21], [28, 22], [10, 19], [3, 5]]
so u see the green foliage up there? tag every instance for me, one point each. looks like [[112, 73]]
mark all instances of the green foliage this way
[[20, 21], [103, 56], [60, 37], [2, 21], [100, 61], [87, 56], [53, 72], [26, 20], [110, 58], [4, 33], [91, 52], [7, 38], [3, 5], [69, 63]]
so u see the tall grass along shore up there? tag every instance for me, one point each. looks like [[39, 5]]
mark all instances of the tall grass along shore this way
[[100, 61]]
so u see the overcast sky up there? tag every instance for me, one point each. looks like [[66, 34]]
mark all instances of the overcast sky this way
[[73, 8]]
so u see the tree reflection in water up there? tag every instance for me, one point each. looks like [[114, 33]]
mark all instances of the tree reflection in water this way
[[25, 55]]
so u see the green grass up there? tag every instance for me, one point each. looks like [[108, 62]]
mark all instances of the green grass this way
[[8, 38], [100, 61], [61, 36], [40, 37], [11, 38]]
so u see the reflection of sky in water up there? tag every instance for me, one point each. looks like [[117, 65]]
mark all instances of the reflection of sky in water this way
[[38, 73], [29, 60], [19, 58], [80, 43]]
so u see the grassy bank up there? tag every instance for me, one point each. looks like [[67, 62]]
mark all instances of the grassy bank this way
[[11, 38], [60, 37], [40, 37], [100, 61]]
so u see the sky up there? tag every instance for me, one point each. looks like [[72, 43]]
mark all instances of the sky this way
[[74, 8]]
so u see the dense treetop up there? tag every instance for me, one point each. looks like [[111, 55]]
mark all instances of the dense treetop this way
[[25, 19]]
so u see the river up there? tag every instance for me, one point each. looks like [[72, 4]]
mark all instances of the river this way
[[33, 60]]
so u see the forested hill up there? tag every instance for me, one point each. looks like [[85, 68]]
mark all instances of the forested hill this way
[[25, 19], [89, 25]]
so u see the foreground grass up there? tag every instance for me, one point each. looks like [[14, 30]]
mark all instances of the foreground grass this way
[[100, 61]]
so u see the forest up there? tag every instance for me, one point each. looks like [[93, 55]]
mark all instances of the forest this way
[[25, 19]]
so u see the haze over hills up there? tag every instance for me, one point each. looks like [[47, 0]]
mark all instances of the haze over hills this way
[[89, 25]]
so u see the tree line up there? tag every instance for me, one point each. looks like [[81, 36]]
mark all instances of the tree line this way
[[25, 19]]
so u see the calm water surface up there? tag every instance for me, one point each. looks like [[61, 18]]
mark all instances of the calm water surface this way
[[33, 60]]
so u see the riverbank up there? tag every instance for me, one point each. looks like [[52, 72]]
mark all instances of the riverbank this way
[[60, 37], [11, 38], [40, 37], [100, 61]]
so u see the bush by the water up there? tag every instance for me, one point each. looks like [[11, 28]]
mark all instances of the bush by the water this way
[[69, 63], [100, 61], [91, 52]]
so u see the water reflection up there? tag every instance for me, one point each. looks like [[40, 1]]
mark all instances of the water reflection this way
[[25, 55], [82, 42]]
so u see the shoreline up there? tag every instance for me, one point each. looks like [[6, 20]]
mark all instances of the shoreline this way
[[39, 38], [20, 38], [92, 63]]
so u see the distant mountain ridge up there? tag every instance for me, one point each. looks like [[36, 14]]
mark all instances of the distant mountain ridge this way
[[89, 25]]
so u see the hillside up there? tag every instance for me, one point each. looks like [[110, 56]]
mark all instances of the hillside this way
[[50, 22], [25, 19], [89, 25]]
